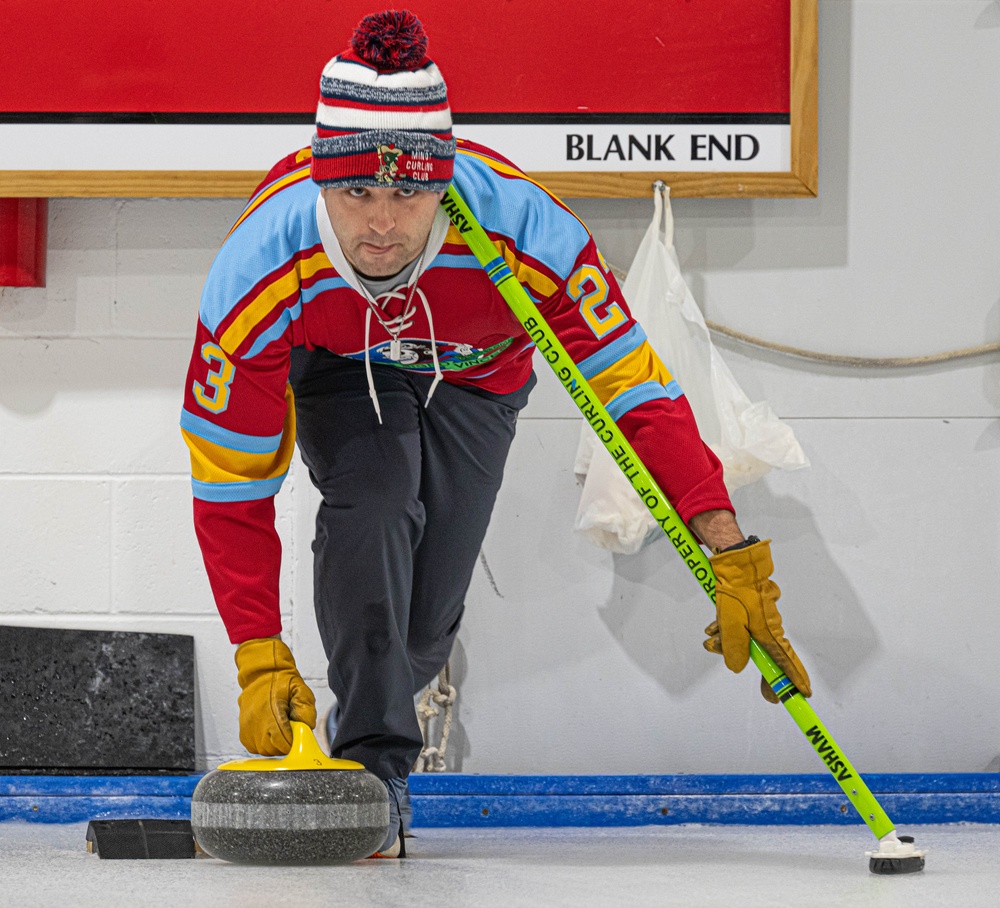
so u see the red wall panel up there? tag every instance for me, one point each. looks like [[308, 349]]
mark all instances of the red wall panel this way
[[504, 56]]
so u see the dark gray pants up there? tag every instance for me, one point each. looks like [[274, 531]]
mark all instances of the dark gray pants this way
[[405, 508]]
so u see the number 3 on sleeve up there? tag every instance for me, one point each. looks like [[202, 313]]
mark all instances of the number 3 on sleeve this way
[[220, 374]]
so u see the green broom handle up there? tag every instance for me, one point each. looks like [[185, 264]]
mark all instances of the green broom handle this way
[[690, 551]]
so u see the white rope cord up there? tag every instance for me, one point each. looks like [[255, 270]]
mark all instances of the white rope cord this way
[[431, 758], [839, 359], [880, 362]]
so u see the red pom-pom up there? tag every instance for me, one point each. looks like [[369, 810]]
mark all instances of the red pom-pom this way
[[391, 40]]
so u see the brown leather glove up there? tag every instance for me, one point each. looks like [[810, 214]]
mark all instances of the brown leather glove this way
[[746, 606], [273, 694]]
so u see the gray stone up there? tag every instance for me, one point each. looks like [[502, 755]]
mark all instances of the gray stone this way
[[319, 816]]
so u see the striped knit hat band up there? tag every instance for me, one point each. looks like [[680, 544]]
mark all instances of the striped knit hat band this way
[[383, 117]]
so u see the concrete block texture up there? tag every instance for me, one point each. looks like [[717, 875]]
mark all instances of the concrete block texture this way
[[55, 536], [78, 297], [881, 549], [164, 250], [94, 406], [158, 567], [125, 267]]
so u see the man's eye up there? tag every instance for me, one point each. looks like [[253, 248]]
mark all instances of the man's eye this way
[[407, 193], [356, 192]]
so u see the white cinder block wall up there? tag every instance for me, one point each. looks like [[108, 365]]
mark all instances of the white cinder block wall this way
[[572, 660]]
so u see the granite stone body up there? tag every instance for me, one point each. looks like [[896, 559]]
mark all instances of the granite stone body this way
[[319, 816]]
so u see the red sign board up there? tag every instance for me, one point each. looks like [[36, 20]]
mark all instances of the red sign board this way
[[562, 70]]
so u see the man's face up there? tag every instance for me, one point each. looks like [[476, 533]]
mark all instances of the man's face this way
[[381, 229]]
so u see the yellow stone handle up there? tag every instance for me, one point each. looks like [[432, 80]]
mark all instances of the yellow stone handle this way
[[305, 754]]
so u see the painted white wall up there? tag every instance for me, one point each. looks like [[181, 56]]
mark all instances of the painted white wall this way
[[572, 660]]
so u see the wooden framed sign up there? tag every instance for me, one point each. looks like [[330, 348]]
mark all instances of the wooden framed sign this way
[[142, 98]]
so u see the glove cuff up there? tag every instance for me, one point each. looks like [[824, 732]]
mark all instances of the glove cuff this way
[[262, 654]]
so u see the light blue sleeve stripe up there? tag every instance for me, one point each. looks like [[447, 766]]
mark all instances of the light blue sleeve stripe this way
[[293, 313], [455, 261], [276, 330], [282, 226], [234, 441], [520, 210], [308, 294], [613, 352], [640, 394], [237, 491]]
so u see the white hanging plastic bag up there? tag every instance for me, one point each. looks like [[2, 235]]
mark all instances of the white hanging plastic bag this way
[[747, 437]]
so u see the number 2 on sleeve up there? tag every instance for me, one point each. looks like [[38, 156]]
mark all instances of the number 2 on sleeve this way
[[590, 287]]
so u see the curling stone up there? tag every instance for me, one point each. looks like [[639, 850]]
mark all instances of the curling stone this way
[[304, 808]]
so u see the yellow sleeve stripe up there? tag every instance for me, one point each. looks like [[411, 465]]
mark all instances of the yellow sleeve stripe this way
[[269, 297], [454, 238], [213, 463], [293, 177], [635, 368], [525, 274], [510, 171]]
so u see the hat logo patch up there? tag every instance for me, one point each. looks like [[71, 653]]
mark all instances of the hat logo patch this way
[[388, 163]]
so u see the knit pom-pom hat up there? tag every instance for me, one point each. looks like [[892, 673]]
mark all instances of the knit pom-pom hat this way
[[383, 117]]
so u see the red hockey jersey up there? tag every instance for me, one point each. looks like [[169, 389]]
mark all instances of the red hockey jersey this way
[[280, 280]]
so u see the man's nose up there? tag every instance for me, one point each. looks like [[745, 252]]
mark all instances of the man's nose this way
[[381, 218]]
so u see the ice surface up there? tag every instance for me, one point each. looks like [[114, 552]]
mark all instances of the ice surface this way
[[703, 866]]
